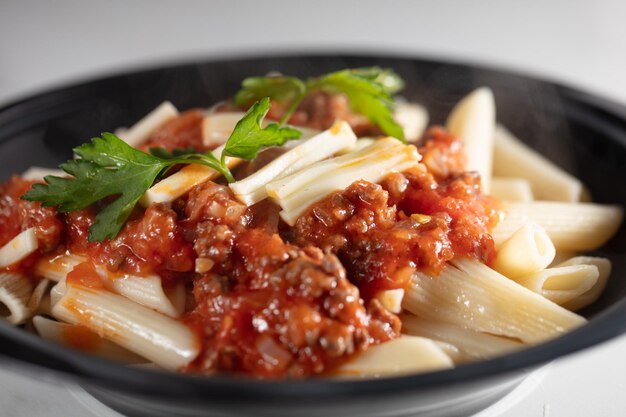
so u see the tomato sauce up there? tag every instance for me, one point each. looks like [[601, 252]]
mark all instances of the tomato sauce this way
[[81, 338], [413, 220], [182, 132], [271, 300], [17, 215], [85, 275], [267, 307]]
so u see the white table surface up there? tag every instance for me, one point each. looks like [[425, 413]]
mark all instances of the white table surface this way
[[44, 44]]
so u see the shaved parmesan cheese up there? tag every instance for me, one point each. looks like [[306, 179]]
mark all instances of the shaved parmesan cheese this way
[[174, 186], [18, 248], [141, 130], [361, 143], [339, 137], [404, 355], [296, 192]]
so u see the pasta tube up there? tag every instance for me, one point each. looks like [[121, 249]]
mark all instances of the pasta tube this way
[[470, 344], [140, 131], [147, 290], [590, 296], [512, 158], [78, 337], [217, 127], [15, 292], [163, 340], [527, 251], [404, 355], [570, 226], [562, 284], [413, 118], [38, 173], [474, 296], [473, 119], [511, 189]]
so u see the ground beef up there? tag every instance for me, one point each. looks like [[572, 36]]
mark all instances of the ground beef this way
[[442, 153], [149, 242], [471, 215], [17, 215], [378, 246], [182, 132], [319, 110], [268, 307]]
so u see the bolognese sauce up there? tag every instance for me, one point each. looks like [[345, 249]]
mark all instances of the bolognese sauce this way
[[272, 300]]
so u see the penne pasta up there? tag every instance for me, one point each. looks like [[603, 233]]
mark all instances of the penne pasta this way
[[604, 271], [161, 339], [140, 131], [78, 337], [413, 118], [570, 226], [452, 351], [38, 173], [562, 256], [511, 189], [379, 267], [391, 299], [15, 292], [561, 284], [473, 119], [18, 248], [146, 290], [56, 268], [38, 295], [407, 354], [470, 345], [527, 251], [217, 127], [472, 295], [512, 158]]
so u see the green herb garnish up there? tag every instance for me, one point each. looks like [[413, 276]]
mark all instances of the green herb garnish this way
[[249, 137], [109, 168], [369, 92]]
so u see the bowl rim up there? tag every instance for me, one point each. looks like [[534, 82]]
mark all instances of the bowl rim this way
[[605, 114]]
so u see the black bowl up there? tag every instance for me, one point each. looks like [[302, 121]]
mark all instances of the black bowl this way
[[584, 134]]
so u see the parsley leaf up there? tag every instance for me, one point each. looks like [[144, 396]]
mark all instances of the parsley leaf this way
[[108, 167], [391, 82], [248, 137], [366, 95], [369, 91], [279, 88]]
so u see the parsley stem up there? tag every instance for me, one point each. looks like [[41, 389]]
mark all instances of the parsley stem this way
[[228, 175], [292, 107]]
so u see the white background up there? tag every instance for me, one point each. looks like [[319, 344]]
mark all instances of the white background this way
[[583, 43]]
